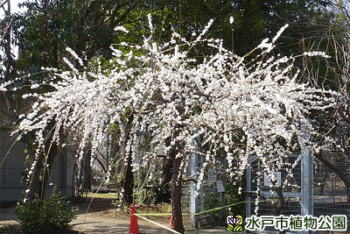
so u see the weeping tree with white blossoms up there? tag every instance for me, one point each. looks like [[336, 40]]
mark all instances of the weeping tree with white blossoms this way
[[238, 109]]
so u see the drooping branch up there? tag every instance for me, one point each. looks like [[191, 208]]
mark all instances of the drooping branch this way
[[337, 170]]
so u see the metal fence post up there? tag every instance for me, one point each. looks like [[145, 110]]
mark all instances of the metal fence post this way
[[223, 200], [194, 198], [201, 207], [248, 206], [307, 173]]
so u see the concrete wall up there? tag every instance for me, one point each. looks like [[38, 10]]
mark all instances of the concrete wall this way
[[11, 167], [13, 163]]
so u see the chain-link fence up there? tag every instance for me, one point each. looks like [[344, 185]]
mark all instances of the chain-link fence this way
[[329, 194], [257, 184], [211, 194]]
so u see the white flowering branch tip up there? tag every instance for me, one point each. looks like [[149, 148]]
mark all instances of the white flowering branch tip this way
[[121, 28], [264, 45], [279, 33], [75, 55], [150, 24], [316, 53], [34, 86], [268, 47]]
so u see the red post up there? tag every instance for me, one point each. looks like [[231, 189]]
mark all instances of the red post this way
[[134, 227], [171, 222]]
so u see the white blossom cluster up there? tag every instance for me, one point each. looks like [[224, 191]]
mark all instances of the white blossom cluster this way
[[236, 108]]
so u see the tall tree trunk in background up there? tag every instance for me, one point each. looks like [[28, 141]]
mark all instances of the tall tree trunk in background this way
[[41, 172], [85, 173], [86, 186], [10, 62]]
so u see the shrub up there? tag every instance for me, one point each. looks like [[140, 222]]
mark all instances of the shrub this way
[[44, 216]]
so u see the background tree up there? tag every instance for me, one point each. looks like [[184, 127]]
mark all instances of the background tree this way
[[47, 27], [253, 21], [42, 35], [334, 74], [330, 34]]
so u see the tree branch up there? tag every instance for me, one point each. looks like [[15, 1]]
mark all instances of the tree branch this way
[[114, 23]]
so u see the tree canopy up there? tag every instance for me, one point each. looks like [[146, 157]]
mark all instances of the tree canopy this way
[[239, 90], [239, 107]]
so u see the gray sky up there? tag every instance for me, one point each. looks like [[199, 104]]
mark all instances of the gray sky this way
[[14, 6]]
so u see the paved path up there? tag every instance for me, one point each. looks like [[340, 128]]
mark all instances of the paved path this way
[[7, 215], [95, 223], [91, 223]]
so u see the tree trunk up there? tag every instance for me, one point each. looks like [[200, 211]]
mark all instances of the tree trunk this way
[[176, 193], [336, 170], [47, 170], [167, 172], [347, 192], [35, 179], [87, 172], [280, 204], [128, 183]]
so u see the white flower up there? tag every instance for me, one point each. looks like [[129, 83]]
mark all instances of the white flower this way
[[34, 86], [150, 25], [267, 46], [231, 20]]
